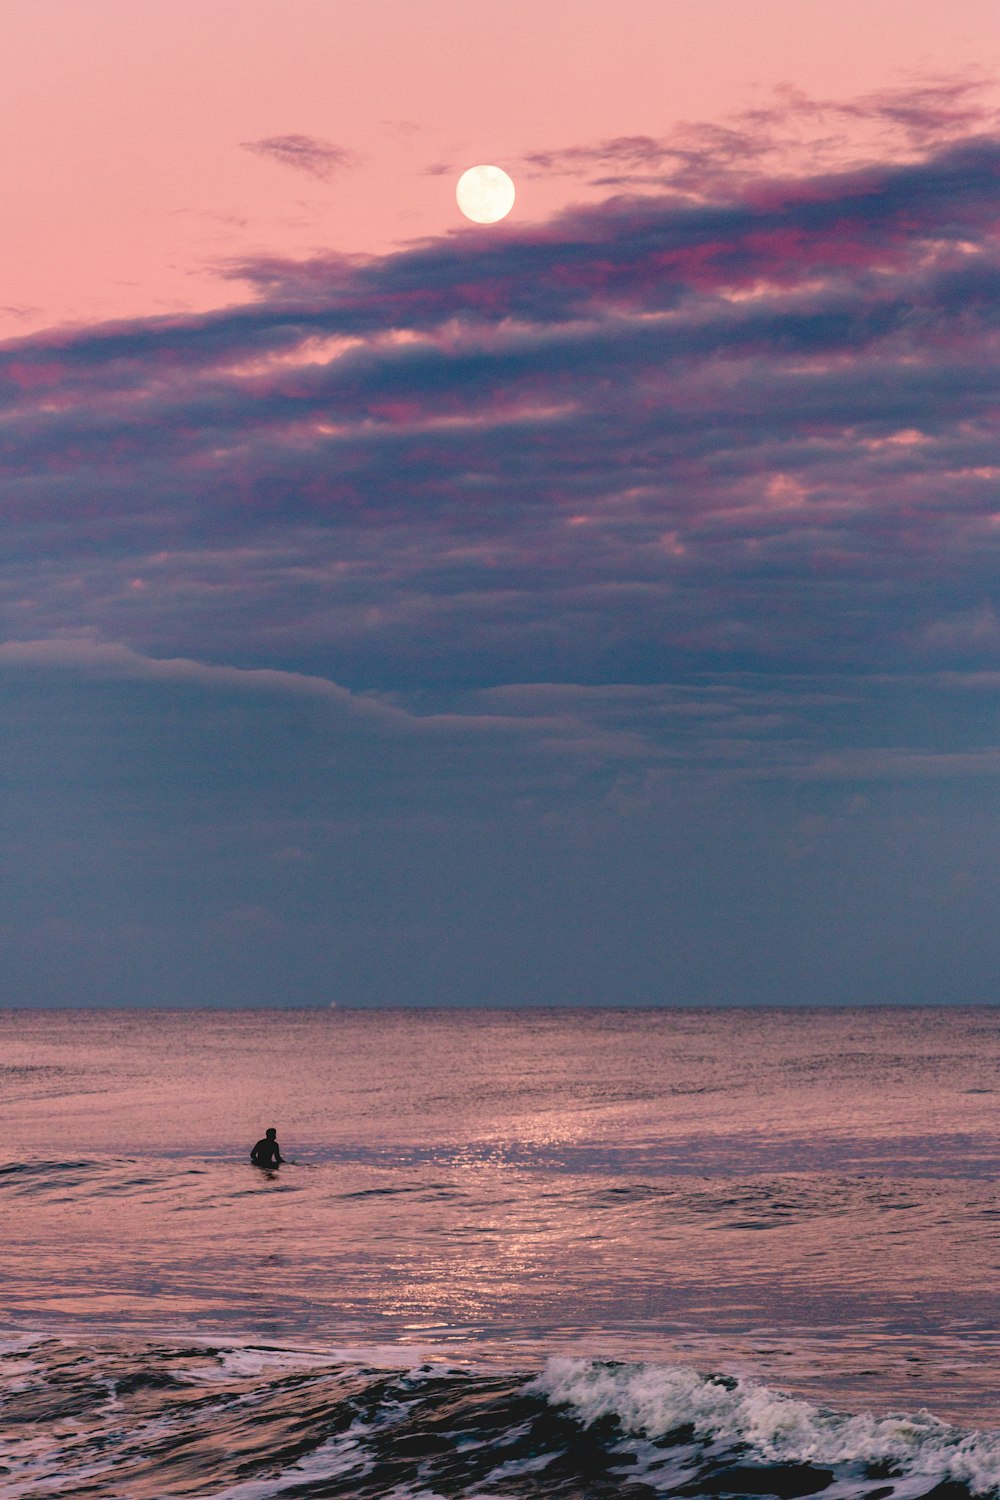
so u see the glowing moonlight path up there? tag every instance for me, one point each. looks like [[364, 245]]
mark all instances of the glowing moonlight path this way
[[485, 194]]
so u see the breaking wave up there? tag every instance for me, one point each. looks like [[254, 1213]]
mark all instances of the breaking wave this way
[[123, 1421], [673, 1404]]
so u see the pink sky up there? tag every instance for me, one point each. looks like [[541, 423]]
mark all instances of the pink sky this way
[[126, 185]]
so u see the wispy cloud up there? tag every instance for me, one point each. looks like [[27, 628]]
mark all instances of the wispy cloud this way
[[305, 153], [794, 131]]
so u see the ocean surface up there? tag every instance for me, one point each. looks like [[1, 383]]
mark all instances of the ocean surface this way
[[534, 1253]]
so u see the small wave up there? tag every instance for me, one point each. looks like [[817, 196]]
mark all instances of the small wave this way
[[62, 1181], [432, 1191], [42, 1168], [21, 1177]]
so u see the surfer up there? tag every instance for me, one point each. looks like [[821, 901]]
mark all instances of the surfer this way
[[267, 1152]]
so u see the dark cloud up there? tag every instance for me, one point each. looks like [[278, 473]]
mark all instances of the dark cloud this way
[[304, 153], [656, 545]]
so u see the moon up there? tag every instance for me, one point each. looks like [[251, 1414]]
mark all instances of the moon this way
[[485, 194]]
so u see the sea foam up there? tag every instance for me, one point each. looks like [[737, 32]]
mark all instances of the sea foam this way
[[654, 1401]]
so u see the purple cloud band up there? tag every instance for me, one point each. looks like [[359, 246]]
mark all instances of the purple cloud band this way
[[649, 439]]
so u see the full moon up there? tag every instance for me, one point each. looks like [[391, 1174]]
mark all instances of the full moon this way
[[485, 194]]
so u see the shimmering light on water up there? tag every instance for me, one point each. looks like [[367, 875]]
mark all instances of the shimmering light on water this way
[[808, 1196]]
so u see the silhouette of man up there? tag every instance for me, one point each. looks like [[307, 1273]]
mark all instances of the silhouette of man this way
[[267, 1152]]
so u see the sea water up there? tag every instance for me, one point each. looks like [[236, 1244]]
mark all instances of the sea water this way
[[511, 1253]]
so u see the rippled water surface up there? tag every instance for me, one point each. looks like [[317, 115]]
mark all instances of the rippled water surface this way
[[804, 1203]]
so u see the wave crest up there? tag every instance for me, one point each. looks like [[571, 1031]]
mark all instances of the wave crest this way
[[657, 1401]]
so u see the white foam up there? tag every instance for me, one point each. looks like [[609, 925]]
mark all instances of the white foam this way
[[253, 1359], [653, 1400], [333, 1459]]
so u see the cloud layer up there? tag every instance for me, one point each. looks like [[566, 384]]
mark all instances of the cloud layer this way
[[693, 489]]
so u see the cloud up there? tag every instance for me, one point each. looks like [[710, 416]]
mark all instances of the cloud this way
[[599, 609], [307, 742], [305, 153], [178, 832], [794, 132], [654, 440], [471, 725]]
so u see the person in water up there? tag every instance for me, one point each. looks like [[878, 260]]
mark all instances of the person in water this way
[[267, 1152]]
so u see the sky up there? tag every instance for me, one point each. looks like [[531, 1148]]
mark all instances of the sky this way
[[596, 608]]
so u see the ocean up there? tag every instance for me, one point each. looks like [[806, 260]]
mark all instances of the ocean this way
[[534, 1253]]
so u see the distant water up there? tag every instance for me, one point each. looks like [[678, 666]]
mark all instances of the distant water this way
[[536, 1253]]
